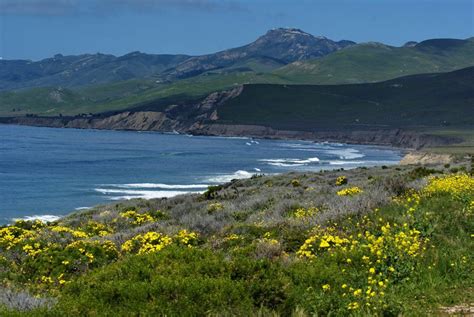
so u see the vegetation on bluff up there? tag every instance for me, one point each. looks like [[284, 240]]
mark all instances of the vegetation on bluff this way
[[286, 244]]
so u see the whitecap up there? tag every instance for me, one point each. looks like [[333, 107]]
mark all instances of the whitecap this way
[[346, 162], [291, 161], [346, 154], [157, 185], [286, 164], [44, 218], [228, 177], [82, 208], [117, 194]]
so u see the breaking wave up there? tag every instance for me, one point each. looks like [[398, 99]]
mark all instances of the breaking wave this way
[[346, 154], [119, 194], [157, 185], [228, 177], [290, 161], [44, 218]]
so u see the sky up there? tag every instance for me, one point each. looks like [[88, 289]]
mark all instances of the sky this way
[[36, 29]]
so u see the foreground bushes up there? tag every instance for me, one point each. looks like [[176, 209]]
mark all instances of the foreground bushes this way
[[405, 258]]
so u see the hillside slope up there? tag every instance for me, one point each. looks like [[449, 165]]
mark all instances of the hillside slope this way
[[408, 112], [371, 62], [81, 70], [113, 85], [272, 50], [281, 45], [414, 101], [384, 241]]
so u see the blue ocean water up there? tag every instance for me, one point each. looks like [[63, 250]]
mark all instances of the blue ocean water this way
[[51, 172]]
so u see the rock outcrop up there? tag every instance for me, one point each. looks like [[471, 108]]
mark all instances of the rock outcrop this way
[[425, 158]]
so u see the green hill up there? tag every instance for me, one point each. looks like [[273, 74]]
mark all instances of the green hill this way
[[357, 64], [413, 101], [372, 62], [52, 101]]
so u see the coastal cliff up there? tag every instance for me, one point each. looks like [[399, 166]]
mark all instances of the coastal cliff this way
[[160, 122], [203, 117]]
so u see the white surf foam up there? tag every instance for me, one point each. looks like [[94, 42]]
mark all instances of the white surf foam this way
[[346, 154], [285, 164], [117, 194], [365, 163], [44, 218], [228, 177], [346, 162], [290, 161], [82, 208], [157, 185]]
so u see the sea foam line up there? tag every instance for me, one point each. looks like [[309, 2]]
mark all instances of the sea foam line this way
[[157, 185], [346, 154], [225, 178], [290, 161], [145, 194], [44, 218]]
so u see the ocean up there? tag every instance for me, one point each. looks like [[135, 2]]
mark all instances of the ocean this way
[[46, 172]]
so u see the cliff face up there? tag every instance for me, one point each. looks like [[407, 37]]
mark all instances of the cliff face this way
[[426, 158], [159, 121]]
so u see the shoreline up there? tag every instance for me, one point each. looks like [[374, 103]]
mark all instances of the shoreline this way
[[134, 201], [216, 177], [406, 140]]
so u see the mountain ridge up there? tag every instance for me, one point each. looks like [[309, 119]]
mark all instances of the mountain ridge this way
[[283, 45], [287, 45]]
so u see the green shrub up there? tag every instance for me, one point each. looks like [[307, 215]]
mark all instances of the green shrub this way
[[211, 192], [420, 172], [295, 183]]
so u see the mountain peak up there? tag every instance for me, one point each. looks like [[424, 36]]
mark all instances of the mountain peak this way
[[289, 33], [281, 45], [291, 44]]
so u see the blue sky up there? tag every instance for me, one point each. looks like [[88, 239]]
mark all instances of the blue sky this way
[[35, 29]]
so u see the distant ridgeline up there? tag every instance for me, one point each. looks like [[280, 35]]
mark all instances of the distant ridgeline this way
[[287, 80]]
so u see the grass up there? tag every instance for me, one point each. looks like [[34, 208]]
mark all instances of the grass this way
[[373, 62], [421, 101], [361, 63], [270, 245], [50, 101], [466, 146]]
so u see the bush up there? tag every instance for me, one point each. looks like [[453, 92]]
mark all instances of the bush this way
[[214, 207], [341, 180], [420, 172], [175, 282], [212, 192], [283, 256], [295, 183]]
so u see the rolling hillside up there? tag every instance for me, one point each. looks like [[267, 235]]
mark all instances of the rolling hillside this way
[[82, 70], [414, 101], [360, 63], [372, 62]]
